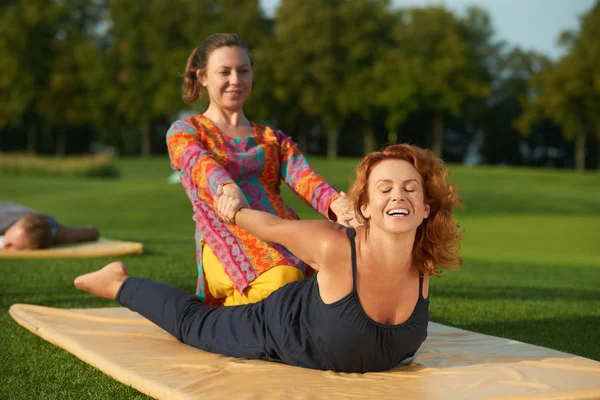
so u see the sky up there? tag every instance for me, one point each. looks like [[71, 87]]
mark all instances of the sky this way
[[529, 24]]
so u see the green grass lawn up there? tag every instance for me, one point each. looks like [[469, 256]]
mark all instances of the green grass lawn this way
[[531, 262]]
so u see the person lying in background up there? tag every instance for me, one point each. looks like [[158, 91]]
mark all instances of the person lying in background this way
[[367, 307], [22, 228]]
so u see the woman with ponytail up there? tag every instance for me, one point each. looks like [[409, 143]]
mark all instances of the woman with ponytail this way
[[221, 147]]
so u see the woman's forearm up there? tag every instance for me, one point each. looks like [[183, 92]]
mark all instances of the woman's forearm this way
[[261, 224], [188, 155]]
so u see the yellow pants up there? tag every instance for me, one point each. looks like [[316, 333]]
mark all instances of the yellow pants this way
[[221, 287]]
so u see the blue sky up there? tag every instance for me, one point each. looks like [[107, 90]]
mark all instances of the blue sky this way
[[530, 24]]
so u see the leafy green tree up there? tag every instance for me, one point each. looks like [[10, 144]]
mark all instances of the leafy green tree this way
[[513, 71], [66, 101], [558, 97], [27, 32], [568, 92], [145, 38], [434, 66], [586, 48], [274, 102], [98, 64], [307, 70], [366, 43], [325, 50]]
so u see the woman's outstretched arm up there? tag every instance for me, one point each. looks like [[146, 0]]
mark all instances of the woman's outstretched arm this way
[[310, 185], [310, 241]]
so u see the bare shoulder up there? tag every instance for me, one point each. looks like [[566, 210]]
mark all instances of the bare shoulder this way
[[310, 241], [323, 234], [336, 244], [335, 277]]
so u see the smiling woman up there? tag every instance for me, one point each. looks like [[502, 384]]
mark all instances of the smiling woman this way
[[423, 191], [222, 147], [367, 308]]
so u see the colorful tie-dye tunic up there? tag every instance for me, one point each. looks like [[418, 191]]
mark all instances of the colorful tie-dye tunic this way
[[206, 158]]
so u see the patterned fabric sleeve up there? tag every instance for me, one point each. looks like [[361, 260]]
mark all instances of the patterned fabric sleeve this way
[[302, 179], [191, 158]]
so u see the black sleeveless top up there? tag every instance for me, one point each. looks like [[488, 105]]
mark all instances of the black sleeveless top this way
[[300, 329]]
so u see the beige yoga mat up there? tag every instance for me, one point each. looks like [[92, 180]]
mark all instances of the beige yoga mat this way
[[451, 364], [101, 248]]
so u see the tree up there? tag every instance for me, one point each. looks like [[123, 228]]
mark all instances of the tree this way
[[66, 101], [367, 43], [558, 98], [321, 49], [306, 70], [274, 102], [513, 71], [568, 92], [586, 49], [434, 66], [144, 35], [27, 31]]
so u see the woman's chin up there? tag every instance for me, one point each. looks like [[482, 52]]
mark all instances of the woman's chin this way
[[400, 227]]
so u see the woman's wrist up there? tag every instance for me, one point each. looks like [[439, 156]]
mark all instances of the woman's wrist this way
[[229, 184], [237, 214]]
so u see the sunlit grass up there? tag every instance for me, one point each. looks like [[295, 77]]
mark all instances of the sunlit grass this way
[[99, 165]]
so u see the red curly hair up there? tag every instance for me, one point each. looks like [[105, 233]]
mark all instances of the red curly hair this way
[[437, 241]]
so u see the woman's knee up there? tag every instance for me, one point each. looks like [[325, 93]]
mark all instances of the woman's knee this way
[[189, 317]]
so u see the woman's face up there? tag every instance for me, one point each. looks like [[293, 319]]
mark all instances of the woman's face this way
[[396, 197], [227, 78]]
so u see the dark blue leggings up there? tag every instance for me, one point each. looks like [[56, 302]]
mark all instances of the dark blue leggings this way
[[234, 331]]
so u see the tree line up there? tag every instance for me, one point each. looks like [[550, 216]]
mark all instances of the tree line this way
[[343, 77]]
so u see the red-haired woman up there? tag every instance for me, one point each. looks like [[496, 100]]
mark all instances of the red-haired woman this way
[[222, 147], [367, 307]]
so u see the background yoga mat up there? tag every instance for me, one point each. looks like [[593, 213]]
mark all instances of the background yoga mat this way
[[101, 248], [451, 364]]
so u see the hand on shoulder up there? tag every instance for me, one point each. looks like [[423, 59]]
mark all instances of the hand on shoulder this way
[[343, 209]]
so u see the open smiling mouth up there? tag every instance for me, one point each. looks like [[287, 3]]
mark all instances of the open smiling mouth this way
[[398, 212]]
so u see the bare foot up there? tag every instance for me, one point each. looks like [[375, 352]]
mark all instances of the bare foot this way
[[105, 282]]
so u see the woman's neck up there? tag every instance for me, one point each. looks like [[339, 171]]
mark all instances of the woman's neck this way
[[225, 119], [393, 252]]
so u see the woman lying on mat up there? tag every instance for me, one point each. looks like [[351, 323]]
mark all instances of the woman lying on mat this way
[[222, 147], [366, 309], [22, 228]]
